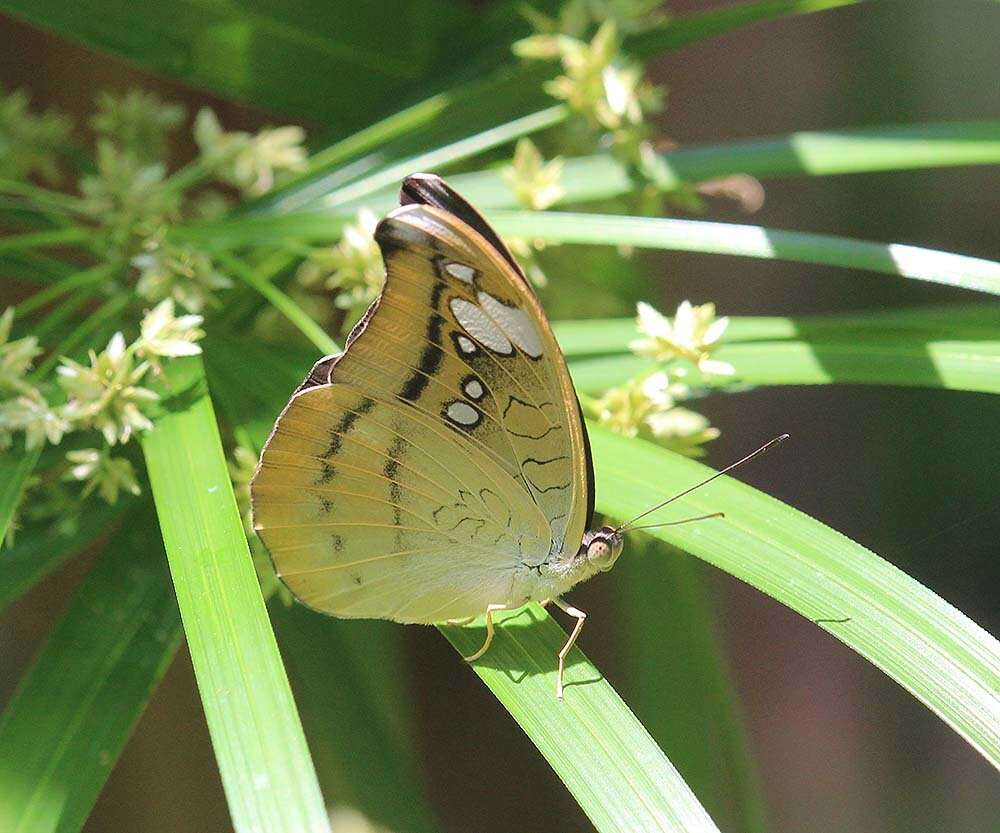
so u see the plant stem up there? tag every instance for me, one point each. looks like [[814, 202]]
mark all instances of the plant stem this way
[[62, 313], [86, 278], [43, 197], [193, 173], [38, 239], [108, 310], [259, 279]]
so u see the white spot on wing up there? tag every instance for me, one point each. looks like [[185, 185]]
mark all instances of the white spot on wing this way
[[463, 413], [480, 326], [474, 389], [460, 271], [515, 323], [466, 345]]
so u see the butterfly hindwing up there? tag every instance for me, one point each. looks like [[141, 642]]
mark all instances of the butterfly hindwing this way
[[415, 476]]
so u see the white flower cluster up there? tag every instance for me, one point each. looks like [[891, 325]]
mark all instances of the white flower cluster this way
[[649, 405], [105, 394], [248, 161], [352, 267]]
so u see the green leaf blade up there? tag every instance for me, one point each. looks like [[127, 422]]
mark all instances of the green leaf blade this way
[[266, 770], [943, 658], [904, 261], [617, 773], [78, 703]]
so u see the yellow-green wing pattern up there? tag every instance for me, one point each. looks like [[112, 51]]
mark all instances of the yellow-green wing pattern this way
[[420, 475]]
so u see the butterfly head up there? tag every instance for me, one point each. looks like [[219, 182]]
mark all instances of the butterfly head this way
[[601, 547]]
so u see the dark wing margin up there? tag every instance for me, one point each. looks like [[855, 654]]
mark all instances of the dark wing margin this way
[[430, 189], [589, 456]]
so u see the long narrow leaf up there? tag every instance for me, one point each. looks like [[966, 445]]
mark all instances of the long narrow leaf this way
[[601, 176], [848, 151], [979, 322], [918, 639], [913, 349], [361, 757], [63, 731], [695, 27], [447, 155], [616, 772], [679, 679], [754, 241], [970, 366], [266, 770], [296, 57]]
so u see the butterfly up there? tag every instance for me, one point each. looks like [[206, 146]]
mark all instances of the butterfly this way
[[437, 469]]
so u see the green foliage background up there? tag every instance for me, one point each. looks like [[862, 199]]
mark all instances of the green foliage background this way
[[899, 346]]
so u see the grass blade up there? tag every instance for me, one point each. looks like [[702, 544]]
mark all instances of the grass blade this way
[[930, 648], [965, 322], [87, 278], [968, 366], [266, 770], [850, 151], [617, 773], [351, 717], [600, 177], [44, 239], [754, 241], [957, 349], [63, 731], [679, 680], [260, 279], [682, 31], [292, 57], [449, 154], [347, 676]]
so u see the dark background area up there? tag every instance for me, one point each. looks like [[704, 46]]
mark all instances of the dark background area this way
[[909, 473]]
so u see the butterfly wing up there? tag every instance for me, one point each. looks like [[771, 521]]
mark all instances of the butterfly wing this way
[[424, 472]]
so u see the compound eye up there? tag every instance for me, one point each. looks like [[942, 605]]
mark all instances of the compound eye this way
[[599, 551]]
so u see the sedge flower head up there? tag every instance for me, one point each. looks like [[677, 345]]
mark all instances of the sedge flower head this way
[[185, 274], [31, 413], [353, 267], [100, 472], [597, 80], [248, 161], [16, 356], [534, 182], [693, 335], [30, 143], [165, 335], [647, 407], [137, 122], [106, 395]]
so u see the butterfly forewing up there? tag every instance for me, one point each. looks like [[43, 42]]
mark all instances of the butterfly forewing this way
[[443, 455]]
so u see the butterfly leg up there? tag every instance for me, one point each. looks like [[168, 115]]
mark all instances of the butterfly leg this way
[[580, 617], [460, 622], [490, 610]]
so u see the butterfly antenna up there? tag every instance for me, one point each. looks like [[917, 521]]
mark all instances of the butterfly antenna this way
[[678, 523], [768, 445]]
